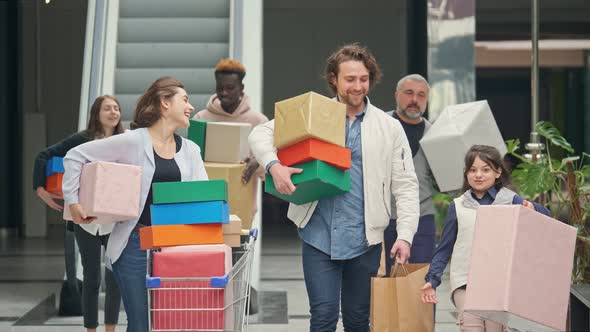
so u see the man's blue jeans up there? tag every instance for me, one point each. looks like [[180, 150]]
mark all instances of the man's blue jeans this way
[[130, 271], [331, 282]]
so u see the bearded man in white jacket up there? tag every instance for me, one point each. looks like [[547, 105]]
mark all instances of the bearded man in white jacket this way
[[342, 235]]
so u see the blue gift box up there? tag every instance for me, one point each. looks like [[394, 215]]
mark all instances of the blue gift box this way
[[211, 212], [54, 165]]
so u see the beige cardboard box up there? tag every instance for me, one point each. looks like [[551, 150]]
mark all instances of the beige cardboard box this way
[[456, 129], [232, 231], [227, 142], [309, 115], [241, 196], [521, 268]]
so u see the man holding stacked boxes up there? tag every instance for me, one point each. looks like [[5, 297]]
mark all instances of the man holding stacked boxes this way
[[186, 222], [310, 135], [224, 144], [342, 234]]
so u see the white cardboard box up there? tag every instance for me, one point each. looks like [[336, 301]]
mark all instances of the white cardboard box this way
[[456, 129], [227, 142]]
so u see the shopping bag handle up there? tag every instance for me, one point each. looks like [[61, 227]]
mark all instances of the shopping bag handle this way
[[395, 268]]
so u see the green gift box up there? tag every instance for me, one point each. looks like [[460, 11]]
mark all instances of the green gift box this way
[[318, 180], [189, 191], [197, 132]]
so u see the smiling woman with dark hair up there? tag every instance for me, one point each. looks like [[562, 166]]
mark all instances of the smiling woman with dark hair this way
[[105, 121]]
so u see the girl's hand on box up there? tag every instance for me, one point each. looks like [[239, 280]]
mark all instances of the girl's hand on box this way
[[428, 294], [528, 204]]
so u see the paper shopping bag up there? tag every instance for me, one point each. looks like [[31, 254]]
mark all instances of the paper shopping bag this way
[[395, 301]]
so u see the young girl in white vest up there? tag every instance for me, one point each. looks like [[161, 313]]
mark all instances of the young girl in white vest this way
[[484, 183]]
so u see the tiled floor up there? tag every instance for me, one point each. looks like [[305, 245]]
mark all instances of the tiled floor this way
[[31, 271]]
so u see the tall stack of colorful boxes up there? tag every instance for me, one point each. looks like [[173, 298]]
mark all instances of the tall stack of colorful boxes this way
[[310, 134], [187, 224], [54, 172], [224, 145]]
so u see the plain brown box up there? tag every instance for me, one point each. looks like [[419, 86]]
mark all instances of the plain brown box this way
[[241, 196], [309, 115], [232, 231]]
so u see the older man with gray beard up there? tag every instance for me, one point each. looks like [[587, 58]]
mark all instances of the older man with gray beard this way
[[411, 96]]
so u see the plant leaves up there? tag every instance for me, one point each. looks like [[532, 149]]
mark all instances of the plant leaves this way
[[512, 145], [551, 134], [533, 179]]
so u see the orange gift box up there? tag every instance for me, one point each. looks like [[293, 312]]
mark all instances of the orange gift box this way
[[315, 149], [154, 237], [53, 183]]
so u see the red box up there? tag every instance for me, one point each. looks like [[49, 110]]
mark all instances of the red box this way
[[315, 149], [53, 183], [174, 295]]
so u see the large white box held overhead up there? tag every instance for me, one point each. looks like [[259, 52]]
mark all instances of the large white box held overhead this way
[[456, 129]]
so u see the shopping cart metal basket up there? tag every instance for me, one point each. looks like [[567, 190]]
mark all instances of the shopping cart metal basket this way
[[203, 304]]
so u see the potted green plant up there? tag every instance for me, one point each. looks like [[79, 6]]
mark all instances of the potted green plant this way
[[561, 185]]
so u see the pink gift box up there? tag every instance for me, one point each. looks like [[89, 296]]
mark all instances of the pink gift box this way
[[228, 294], [188, 304], [225, 249], [109, 191], [520, 270]]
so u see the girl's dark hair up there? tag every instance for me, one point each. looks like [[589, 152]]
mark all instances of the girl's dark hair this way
[[354, 52], [148, 111], [95, 129], [491, 156]]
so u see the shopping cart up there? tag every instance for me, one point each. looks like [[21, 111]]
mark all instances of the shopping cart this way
[[203, 304]]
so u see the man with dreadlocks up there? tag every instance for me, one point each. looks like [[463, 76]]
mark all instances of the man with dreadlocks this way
[[231, 104]]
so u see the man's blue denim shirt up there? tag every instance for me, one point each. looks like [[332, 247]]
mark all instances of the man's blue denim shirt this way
[[337, 226]]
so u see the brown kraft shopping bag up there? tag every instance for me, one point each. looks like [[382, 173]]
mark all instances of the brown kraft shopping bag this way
[[395, 301]]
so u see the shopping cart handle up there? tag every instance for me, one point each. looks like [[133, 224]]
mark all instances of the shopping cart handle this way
[[250, 232], [254, 233], [220, 282], [152, 282]]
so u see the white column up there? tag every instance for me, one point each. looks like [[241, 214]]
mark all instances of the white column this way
[[251, 56]]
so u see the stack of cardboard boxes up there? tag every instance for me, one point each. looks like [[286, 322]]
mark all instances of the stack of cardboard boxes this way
[[187, 224], [185, 213], [224, 145], [310, 134]]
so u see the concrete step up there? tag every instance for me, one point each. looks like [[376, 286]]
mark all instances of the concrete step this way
[[174, 8], [170, 55], [172, 30]]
